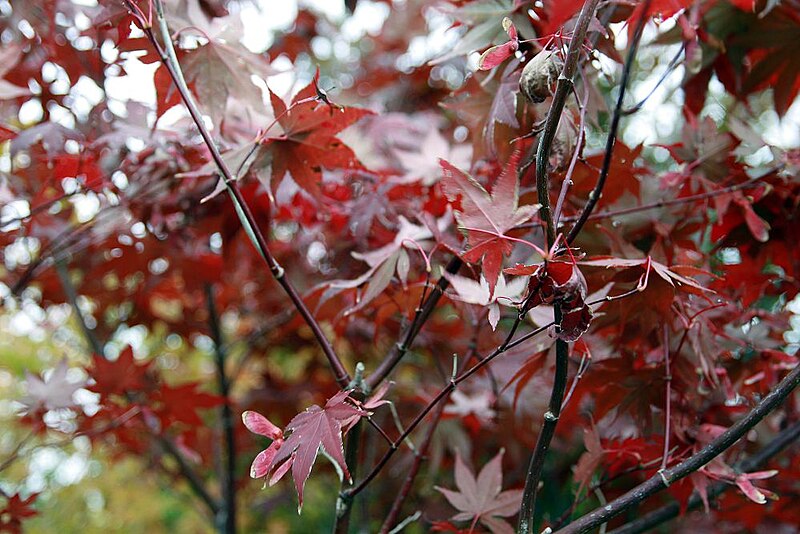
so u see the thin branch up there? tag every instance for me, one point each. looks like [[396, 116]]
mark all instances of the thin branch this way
[[399, 350], [661, 203], [669, 511], [668, 398], [594, 196], [664, 478], [193, 479], [195, 482], [575, 155], [443, 393], [673, 64], [564, 86], [419, 455], [242, 209], [566, 82], [95, 346], [227, 518]]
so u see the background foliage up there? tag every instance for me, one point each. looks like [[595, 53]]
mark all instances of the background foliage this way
[[140, 321]]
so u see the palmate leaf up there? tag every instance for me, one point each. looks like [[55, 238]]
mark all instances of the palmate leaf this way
[[486, 217], [481, 499], [309, 143], [311, 431]]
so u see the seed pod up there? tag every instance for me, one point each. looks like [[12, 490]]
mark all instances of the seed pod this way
[[538, 76]]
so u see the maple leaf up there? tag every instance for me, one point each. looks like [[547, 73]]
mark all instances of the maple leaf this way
[[387, 260], [482, 499], [258, 424], [671, 275], [474, 292], [486, 217], [720, 471], [308, 143], [10, 56], [180, 403], [15, 511], [589, 460], [495, 55], [309, 432], [52, 392], [423, 165], [482, 18], [116, 377]]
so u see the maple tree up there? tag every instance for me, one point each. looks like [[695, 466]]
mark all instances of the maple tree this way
[[553, 239]]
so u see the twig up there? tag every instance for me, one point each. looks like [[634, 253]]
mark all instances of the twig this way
[[594, 196], [646, 522], [167, 446], [193, 479], [671, 67], [563, 87], [661, 203], [419, 455], [443, 393], [72, 297], [242, 209], [575, 155], [716, 447], [668, 399], [399, 350], [227, 518]]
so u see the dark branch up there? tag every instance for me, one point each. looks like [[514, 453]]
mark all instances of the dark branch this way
[[669, 511], [594, 196], [666, 477], [248, 220], [226, 519]]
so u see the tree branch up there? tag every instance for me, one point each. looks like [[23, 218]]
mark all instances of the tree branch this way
[[646, 522], [443, 393], [95, 346], [564, 86], [666, 477], [227, 518], [242, 209], [399, 350], [422, 449], [594, 196], [169, 448]]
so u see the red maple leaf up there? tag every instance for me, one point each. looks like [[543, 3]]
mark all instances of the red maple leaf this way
[[314, 429], [116, 377], [15, 510], [486, 217], [308, 143], [180, 403]]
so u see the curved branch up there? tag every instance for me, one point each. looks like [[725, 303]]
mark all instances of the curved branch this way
[[242, 209], [563, 88], [594, 196]]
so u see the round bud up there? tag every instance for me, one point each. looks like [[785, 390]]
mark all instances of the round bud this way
[[538, 76]]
